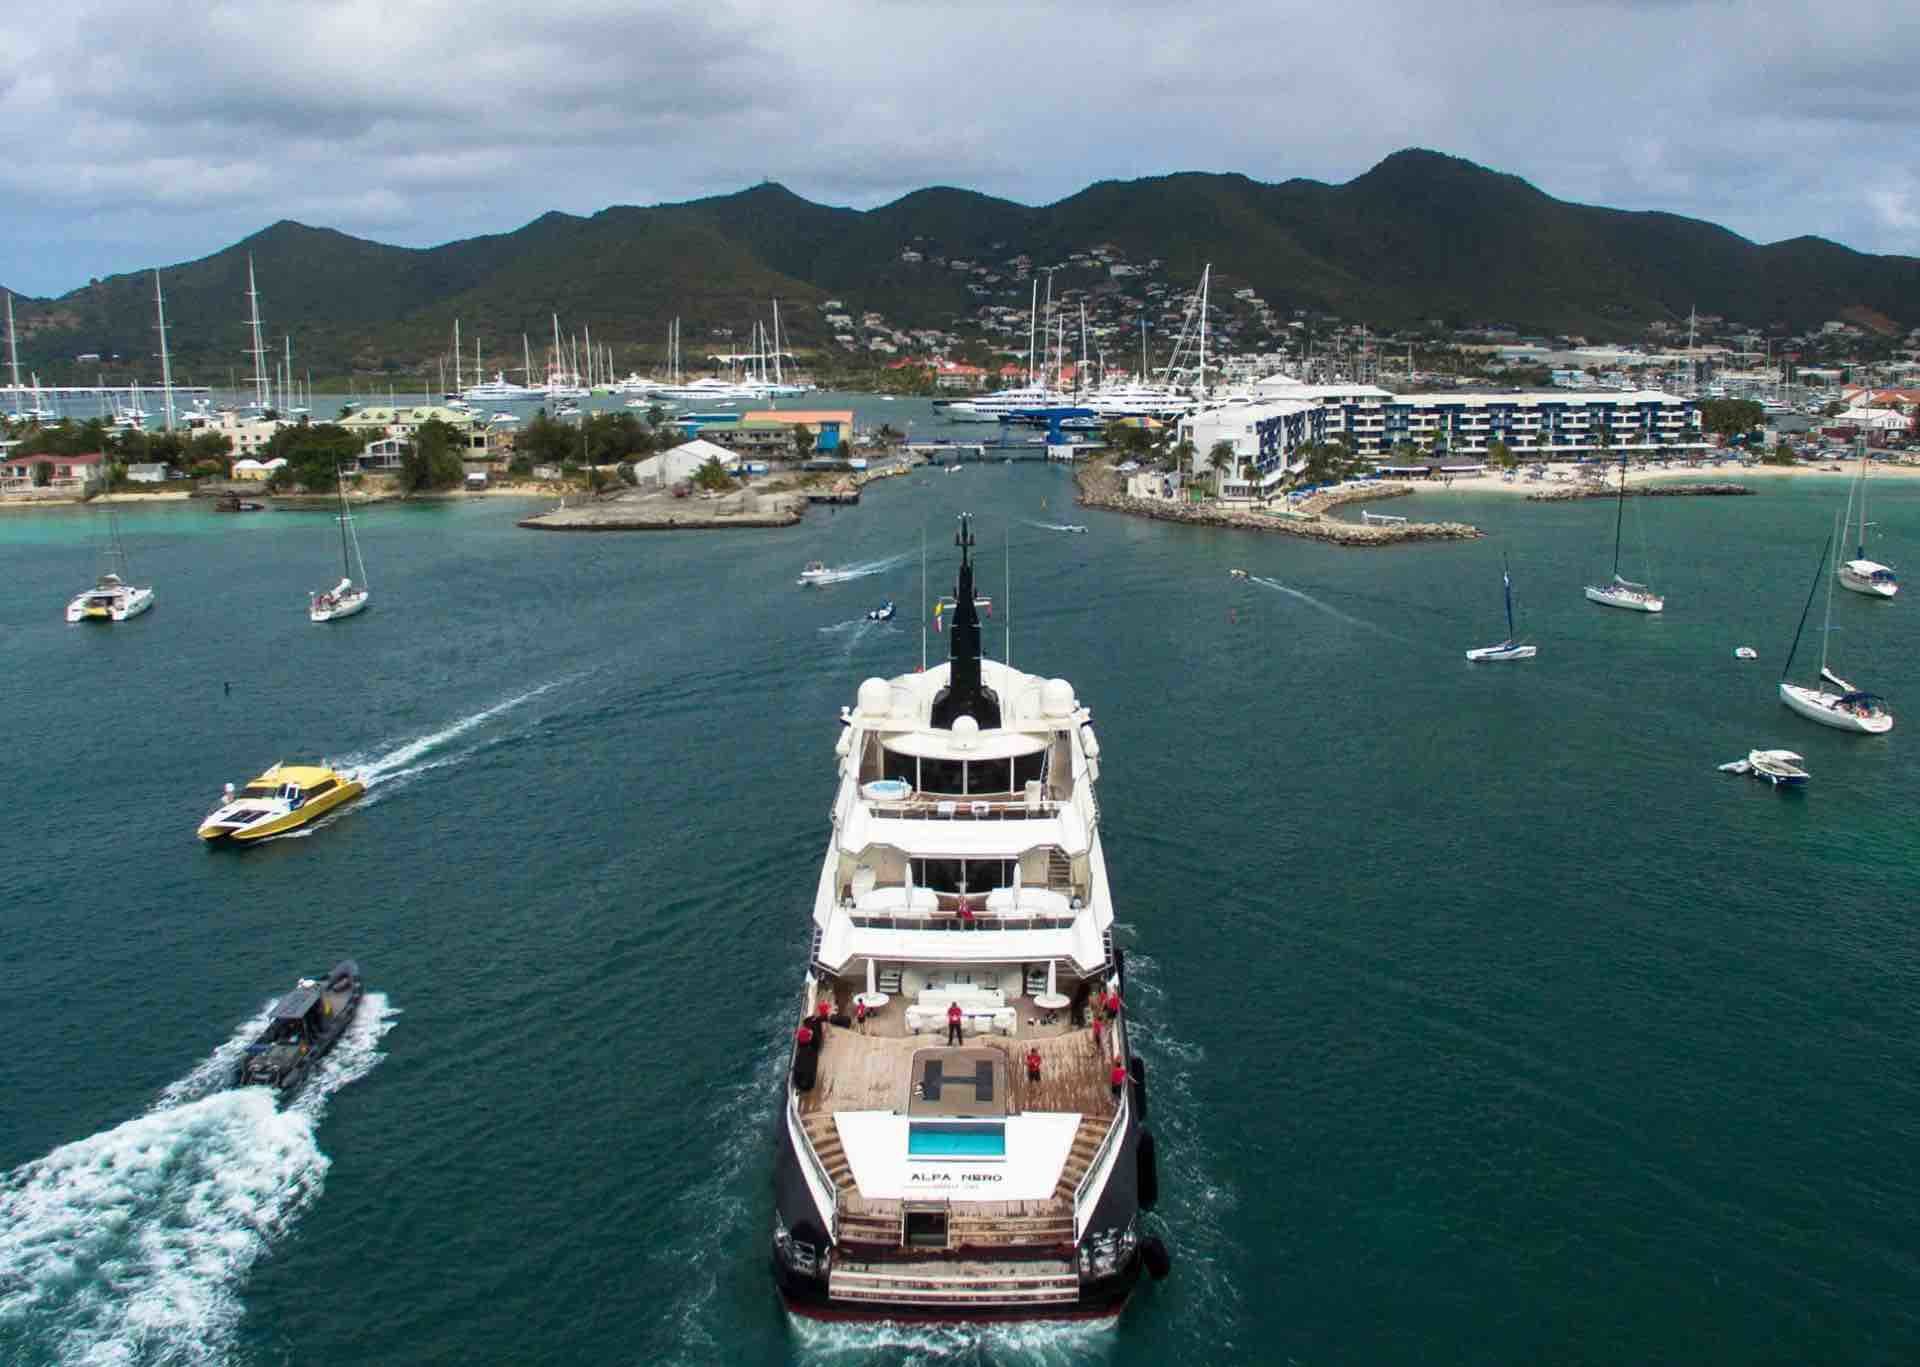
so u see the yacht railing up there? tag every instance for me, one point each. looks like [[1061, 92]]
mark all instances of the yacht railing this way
[[814, 1165], [947, 920], [1082, 1212], [962, 808]]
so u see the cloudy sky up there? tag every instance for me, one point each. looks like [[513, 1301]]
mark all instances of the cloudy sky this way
[[138, 134]]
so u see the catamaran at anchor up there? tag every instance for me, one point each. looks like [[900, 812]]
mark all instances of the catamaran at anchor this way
[[963, 1129]]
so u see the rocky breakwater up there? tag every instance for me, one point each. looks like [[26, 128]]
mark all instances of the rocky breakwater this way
[[1100, 487], [634, 510], [1562, 493]]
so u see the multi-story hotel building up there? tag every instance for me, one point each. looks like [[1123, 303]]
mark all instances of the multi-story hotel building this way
[[1268, 428]]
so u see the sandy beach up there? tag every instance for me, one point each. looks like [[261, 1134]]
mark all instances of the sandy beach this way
[[1725, 472]]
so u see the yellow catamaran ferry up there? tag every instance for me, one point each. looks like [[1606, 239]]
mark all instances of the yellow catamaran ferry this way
[[284, 798]]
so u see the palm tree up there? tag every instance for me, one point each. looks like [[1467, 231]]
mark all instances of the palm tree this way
[[1220, 456], [1183, 453]]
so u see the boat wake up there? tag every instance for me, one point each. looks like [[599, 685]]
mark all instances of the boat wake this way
[[402, 762], [131, 1245], [864, 569], [1327, 608], [1057, 526], [1065, 1342]]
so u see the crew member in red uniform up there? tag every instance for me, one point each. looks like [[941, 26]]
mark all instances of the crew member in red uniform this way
[[1119, 1079], [953, 1023], [1033, 1063]]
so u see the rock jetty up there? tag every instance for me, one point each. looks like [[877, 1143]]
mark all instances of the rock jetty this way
[[635, 511], [1571, 491], [1100, 487]]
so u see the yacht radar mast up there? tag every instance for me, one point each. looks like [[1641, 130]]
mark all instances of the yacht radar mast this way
[[965, 694]]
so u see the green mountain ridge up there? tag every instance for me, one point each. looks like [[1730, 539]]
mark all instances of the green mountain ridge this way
[[1420, 235]]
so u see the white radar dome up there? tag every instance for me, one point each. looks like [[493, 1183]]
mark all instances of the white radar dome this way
[[874, 695], [1056, 698], [965, 732]]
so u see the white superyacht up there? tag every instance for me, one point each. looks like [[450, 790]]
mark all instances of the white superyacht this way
[[963, 1129]]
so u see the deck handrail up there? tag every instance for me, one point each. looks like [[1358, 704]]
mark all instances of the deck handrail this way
[[818, 1168], [1080, 1216]]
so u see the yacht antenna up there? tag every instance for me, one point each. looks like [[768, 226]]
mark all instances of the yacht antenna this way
[[1007, 553], [923, 600]]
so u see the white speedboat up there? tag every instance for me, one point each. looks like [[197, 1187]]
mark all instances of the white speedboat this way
[[1509, 649], [1619, 592], [815, 572], [1832, 701], [1781, 768], [504, 418], [883, 613], [1745, 653], [109, 600], [348, 596]]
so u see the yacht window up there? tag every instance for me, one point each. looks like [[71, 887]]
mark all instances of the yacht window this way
[[963, 875], [990, 776], [943, 776], [1028, 769]]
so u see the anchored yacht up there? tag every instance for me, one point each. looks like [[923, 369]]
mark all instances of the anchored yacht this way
[[963, 1134]]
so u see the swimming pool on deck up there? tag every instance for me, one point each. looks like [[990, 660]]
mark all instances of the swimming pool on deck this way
[[957, 1143]]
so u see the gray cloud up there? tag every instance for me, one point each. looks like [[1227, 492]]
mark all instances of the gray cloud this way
[[139, 134]]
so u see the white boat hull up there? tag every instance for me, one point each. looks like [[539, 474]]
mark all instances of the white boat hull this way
[[1867, 586], [1502, 653], [1625, 598], [1818, 705], [340, 607], [129, 604]]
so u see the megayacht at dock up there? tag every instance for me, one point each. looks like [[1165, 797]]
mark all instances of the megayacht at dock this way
[[997, 1165]]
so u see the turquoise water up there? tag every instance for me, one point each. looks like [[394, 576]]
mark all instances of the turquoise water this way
[[956, 1141], [1485, 1021]]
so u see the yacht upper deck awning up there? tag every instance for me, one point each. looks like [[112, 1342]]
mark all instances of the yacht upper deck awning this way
[[963, 839], [982, 745]]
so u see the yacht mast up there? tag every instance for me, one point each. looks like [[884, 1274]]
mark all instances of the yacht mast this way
[[13, 349], [259, 347], [777, 376], [458, 387], [166, 365], [1033, 304], [526, 362], [286, 385]]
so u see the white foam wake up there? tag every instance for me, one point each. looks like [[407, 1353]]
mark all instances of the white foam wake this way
[[1057, 526], [399, 762], [864, 568], [1327, 608], [131, 1246], [1064, 1342]]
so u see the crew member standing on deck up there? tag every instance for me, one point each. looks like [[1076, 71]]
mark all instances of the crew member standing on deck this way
[[953, 1023], [825, 1012], [1118, 1077], [860, 1015], [1033, 1063]]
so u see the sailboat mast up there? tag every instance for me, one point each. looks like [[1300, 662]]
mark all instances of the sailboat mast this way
[[340, 484], [1506, 578], [1619, 514], [13, 349], [1033, 303], [259, 347], [1826, 628], [1812, 589], [778, 377], [166, 364], [1862, 440]]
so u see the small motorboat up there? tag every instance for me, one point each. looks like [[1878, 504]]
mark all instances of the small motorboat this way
[[302, 1027], [815, 572], [883, 613], [1781, 768], [1073, 527], [1237, 574], [284, 798], [233, 503], [1746, 653]]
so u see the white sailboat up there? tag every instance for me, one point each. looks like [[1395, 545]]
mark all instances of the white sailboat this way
[[1509, 649], [1618, 592], [112, 598], [1861, 574], [1848, 708], [348, 596]]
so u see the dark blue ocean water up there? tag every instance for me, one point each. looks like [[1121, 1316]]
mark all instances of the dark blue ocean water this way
[[1486, 1021]]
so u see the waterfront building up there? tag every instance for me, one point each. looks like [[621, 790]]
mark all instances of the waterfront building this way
[[756, 437], [404, 421], [1267, 429], [68, 474], [831, 426]]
